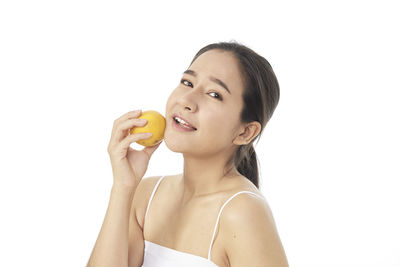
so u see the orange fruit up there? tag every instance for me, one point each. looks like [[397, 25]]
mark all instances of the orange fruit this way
[[155, 125]]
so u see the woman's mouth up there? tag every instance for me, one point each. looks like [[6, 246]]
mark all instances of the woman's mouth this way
[[180, 124]]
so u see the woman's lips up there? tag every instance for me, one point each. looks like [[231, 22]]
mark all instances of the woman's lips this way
[[182, 118], [179, 127]]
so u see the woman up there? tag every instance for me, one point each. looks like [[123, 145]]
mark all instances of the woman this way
[[213, 213]]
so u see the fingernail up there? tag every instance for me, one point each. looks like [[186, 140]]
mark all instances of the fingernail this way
[[142, 120]]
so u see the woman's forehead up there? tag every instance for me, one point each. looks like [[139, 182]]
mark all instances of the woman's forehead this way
[[221, 65]]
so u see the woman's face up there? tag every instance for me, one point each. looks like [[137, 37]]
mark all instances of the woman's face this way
[[204, 102]]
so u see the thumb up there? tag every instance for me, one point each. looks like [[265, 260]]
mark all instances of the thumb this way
[[149, 150]]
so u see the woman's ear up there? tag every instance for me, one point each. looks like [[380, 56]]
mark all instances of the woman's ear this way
[[248, 133]]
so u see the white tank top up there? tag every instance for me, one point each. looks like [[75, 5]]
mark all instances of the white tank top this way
[[156, 255]]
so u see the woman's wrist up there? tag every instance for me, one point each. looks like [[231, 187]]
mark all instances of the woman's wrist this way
[[123, 189]]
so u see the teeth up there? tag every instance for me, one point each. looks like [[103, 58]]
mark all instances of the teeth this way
[[182, 122]]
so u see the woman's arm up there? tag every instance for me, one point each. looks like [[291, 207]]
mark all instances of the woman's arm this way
[[250, 234], [128, 166], [111, 248]]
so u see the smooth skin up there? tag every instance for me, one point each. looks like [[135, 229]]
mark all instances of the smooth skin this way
[[247, 225], [128, 166], [215, 113]]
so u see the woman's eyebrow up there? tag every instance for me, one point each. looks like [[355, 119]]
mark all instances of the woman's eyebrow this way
[[216, 80]]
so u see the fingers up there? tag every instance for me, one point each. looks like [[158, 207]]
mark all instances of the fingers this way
[[125, 143], [130, 114], [123, 128], [120, 149], [150, 149], [122, 125]]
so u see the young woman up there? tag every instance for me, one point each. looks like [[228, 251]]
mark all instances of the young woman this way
[[212, 214]]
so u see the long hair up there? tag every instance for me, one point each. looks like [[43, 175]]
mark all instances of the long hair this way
[[260, 97]]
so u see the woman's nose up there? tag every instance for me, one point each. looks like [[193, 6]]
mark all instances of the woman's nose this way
[[189, 100]]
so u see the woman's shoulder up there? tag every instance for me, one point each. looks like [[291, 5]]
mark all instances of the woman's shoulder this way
[[149, 182], [244, 196], [236, 204], [143, 194], [244, 184], [147, 185]]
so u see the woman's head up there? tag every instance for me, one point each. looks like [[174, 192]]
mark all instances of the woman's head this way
[[228, 94]]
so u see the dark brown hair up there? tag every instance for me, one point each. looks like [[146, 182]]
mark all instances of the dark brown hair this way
[[260, 97]]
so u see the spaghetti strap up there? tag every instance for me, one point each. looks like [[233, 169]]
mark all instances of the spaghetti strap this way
[[151, 197], [219, 214]]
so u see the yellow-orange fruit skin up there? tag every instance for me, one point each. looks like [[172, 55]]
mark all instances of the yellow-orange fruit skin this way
[[155, 124]]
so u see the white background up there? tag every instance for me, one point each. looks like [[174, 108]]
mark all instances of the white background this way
[[329, 156]]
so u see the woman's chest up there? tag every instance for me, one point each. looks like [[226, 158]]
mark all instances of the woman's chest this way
[[191, 229]]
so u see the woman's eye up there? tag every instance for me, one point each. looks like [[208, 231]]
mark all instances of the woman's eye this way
[[183, 81], [218, 96], [186, 82]]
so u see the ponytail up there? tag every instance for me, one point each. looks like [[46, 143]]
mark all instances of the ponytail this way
[[246, 163]]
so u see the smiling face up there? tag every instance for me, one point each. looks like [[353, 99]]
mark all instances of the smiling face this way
[[208, 96]]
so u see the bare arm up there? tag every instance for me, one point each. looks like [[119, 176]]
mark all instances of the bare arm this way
[[111, 248], [129, 166]]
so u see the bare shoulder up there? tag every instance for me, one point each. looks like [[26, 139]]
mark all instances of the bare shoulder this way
[[146, 183], [142, 196], [247, 224], [145, 186], [245, 204]]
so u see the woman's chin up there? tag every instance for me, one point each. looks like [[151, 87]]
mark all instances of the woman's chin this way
[[174, 144]]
